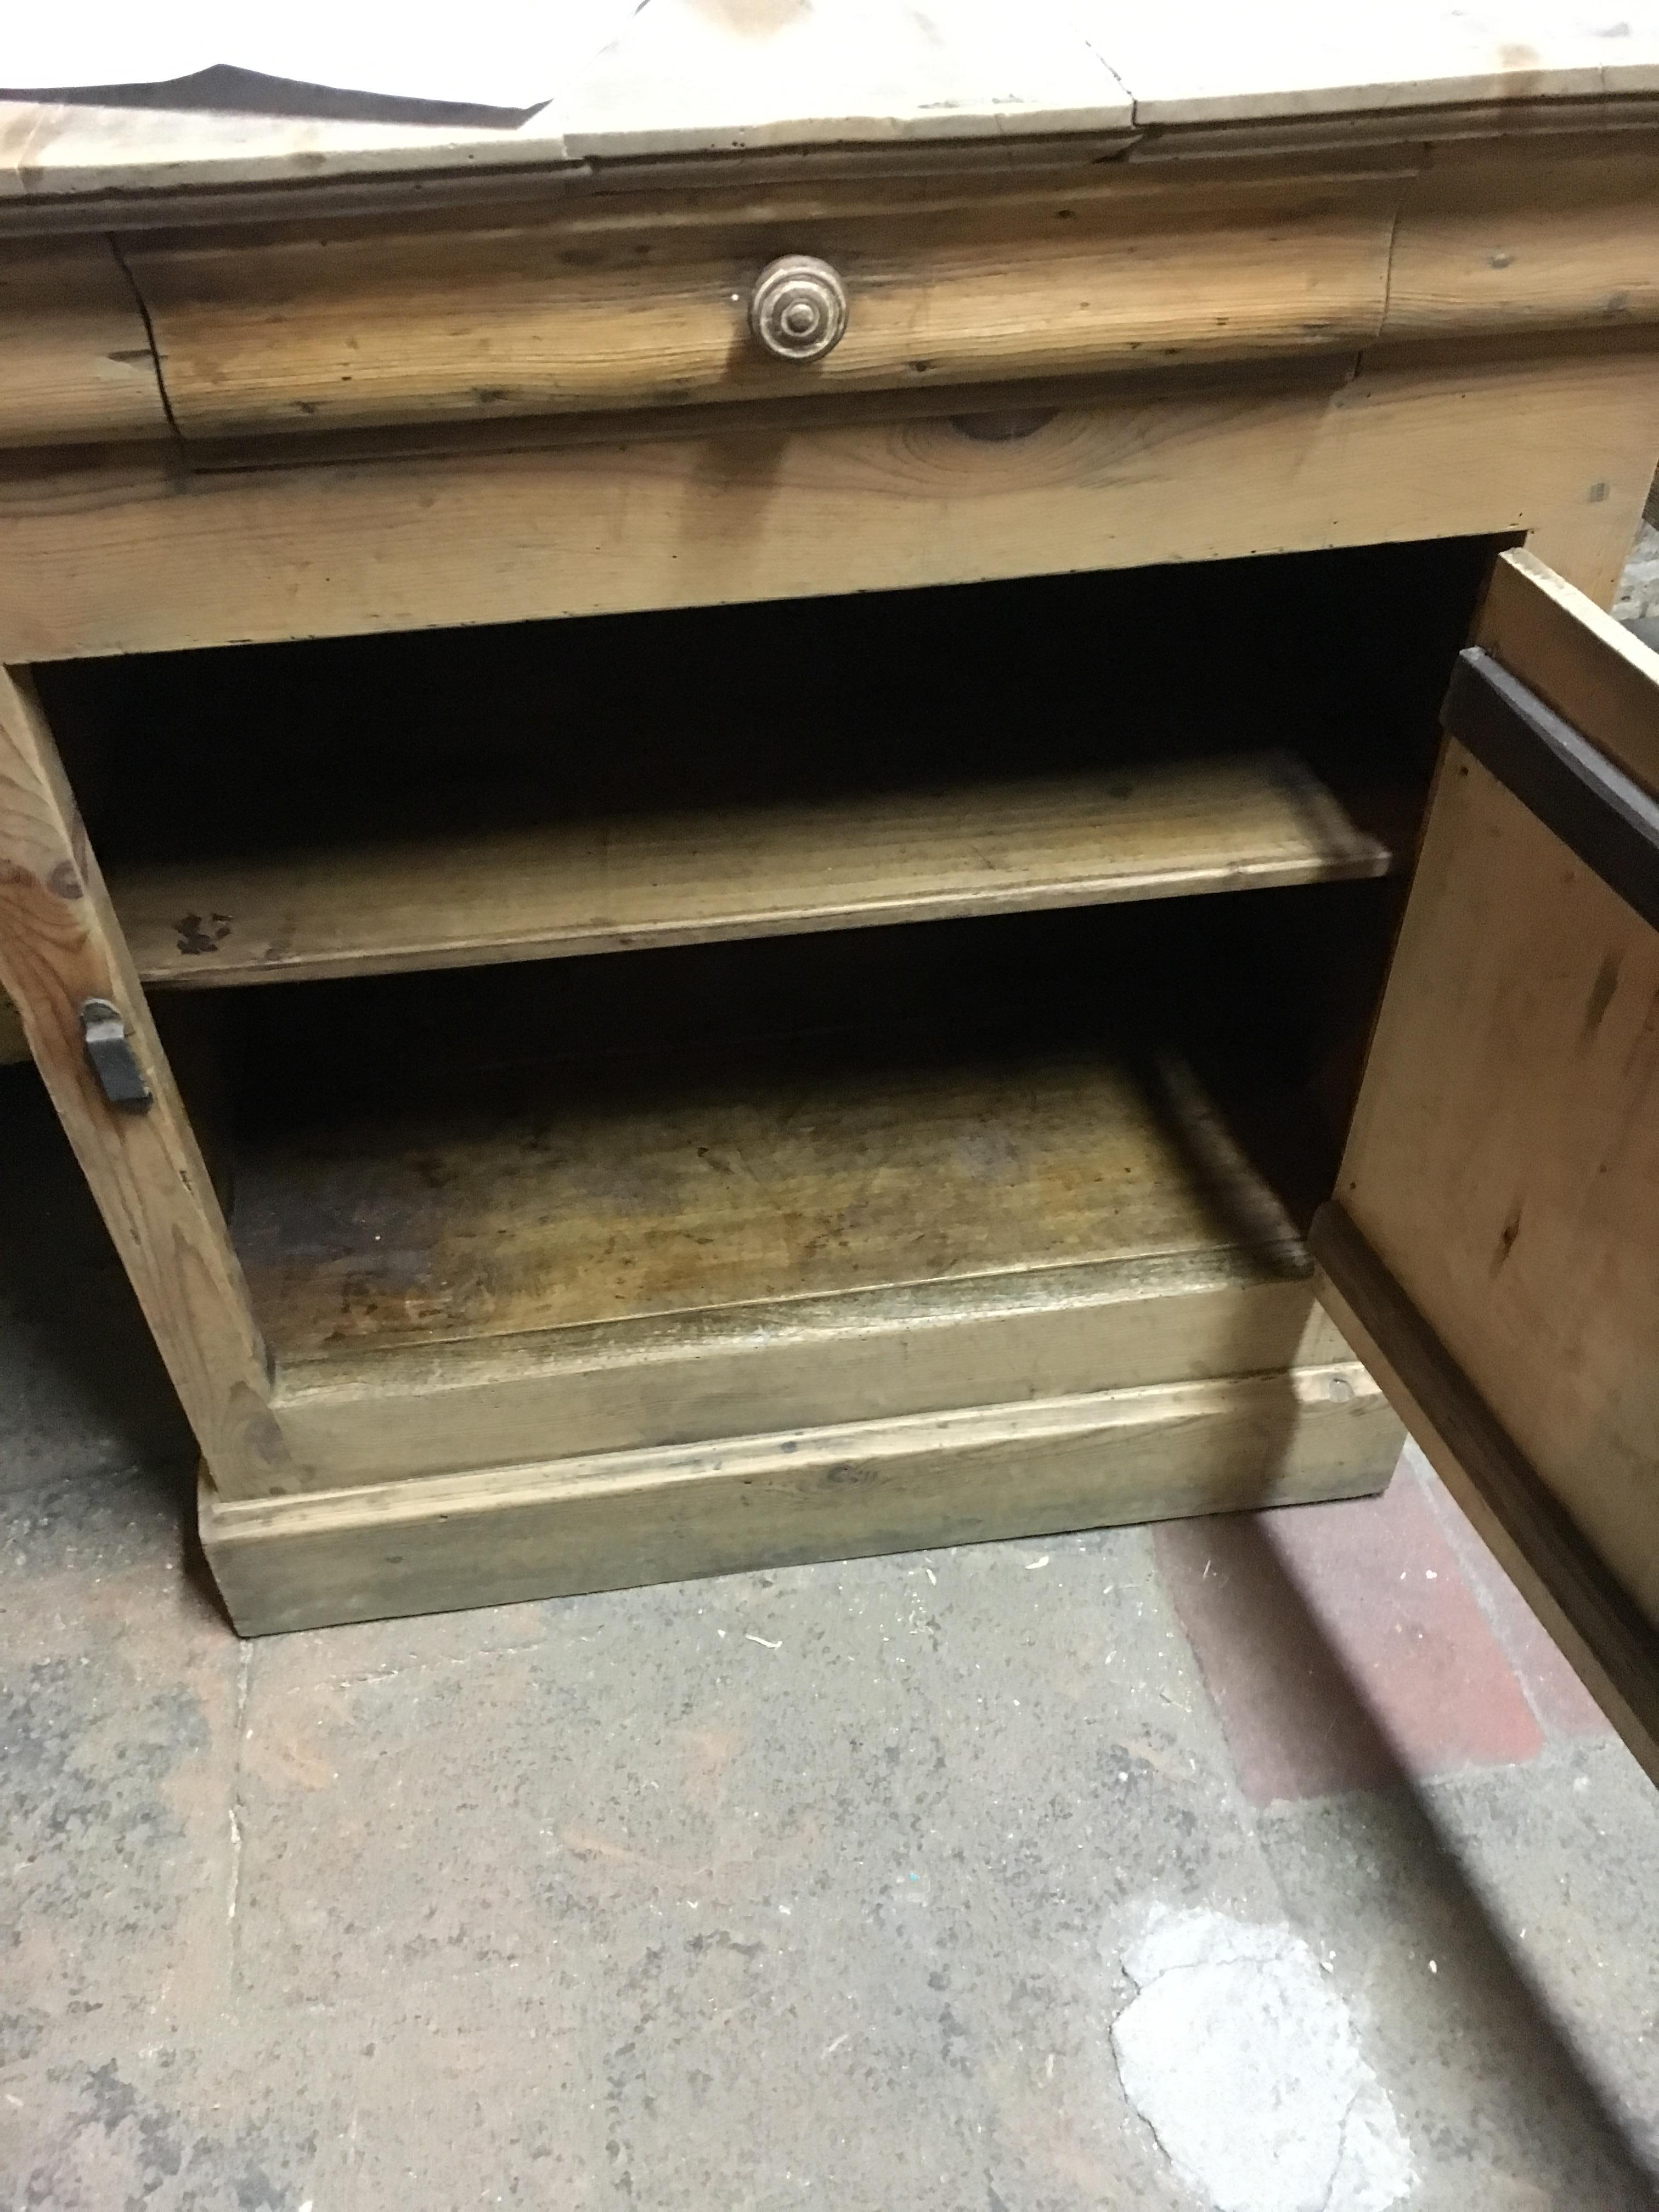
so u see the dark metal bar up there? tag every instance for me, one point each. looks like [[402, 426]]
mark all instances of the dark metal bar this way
[[1595, 809]]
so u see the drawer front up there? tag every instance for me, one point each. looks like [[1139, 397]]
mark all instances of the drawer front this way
[[645, 301], [76, 365], [597, 302], [600, 301]]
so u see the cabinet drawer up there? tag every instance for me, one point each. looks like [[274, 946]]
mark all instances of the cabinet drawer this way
[[644, 301], [75, 364]]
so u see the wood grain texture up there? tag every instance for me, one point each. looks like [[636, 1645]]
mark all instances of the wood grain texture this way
[[837, 1492], [130, 557], [1208, 65], [1503, 1161], [1487, 244], [1151, 831], [1591, 669], [370, 1416], [641, 302], [680, 75], [593, 1189], [692, 81], [60, 945], [1611, 1646], [76, 361]]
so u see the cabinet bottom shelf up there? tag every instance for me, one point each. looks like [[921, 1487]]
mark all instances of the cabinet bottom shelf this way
[[452, 1167], [666, 1265]]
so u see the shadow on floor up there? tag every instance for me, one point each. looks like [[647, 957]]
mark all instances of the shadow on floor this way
[[1309, 1741], [82, 1384]]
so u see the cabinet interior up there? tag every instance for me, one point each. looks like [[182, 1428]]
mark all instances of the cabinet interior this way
[[793, 952]]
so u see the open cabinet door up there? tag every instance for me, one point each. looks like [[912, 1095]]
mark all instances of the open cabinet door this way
[[1491, 1252]]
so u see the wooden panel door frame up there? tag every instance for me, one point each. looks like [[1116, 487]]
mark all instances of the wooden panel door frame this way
[[61, 945], [1547, 804]]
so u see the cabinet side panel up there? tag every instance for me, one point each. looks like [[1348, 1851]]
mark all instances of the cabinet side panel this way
[[61, 945]]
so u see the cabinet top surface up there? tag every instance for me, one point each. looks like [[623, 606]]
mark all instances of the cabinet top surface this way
[[694, 77]]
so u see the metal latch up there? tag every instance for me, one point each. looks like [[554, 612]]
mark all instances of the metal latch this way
[[113, 1061]]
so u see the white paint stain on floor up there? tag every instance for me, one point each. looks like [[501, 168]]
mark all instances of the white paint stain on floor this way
[[1243, 2059]]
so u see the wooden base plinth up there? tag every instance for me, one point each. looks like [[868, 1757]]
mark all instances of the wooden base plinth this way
[[613, 1519]]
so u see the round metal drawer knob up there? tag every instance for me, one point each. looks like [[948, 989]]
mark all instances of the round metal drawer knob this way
[[798, 310]]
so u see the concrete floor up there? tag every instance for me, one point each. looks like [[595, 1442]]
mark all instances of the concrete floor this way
[[1275, 1863]]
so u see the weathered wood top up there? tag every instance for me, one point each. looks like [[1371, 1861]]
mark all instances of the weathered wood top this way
[[713, 76]]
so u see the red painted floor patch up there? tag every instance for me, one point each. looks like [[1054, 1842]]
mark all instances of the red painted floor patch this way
[[1561, 1700], [1343, 1644]]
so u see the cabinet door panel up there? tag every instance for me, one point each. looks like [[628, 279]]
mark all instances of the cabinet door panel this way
[[1492, 1249]]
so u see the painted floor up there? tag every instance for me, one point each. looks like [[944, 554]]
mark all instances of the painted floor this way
[[1275, 1863]]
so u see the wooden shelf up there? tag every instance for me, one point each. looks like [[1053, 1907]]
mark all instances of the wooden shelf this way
[[606, 1191], [617, 884]]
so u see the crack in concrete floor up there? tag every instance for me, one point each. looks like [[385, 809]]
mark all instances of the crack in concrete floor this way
[[1247, 2066]]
